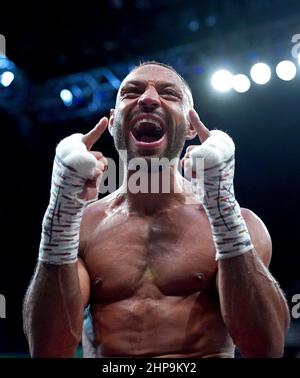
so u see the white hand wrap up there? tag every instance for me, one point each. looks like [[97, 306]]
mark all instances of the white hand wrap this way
[[229, 231], [73, 165]]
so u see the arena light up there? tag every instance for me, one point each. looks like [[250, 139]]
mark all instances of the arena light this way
[[66, 96], [7, 78], [222, 80], [193, 25], [286, 70], [260, 73], [241, 83]]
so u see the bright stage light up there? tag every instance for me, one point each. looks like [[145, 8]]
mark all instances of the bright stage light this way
[[241, 83], [7, 78], [66, 96], [222, 80], [260, 73], [286, 70]]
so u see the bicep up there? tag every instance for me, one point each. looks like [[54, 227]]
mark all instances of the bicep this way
[[84, 282], [84, 278], [260, 236]]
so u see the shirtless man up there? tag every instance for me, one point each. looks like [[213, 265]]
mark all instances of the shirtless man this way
[[160, 274]]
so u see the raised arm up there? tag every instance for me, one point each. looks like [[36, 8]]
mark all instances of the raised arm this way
[[253, 307], [59, 290]]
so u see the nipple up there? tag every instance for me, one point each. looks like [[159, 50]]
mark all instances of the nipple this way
[[198, 275], [98, 281]]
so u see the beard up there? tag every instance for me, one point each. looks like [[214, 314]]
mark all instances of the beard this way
[[175, 141], [118, 135]]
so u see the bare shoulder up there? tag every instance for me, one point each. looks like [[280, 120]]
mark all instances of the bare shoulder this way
[[259, 235], [92, 216], [98, 208]]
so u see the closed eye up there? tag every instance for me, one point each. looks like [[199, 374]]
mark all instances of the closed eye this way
[[169, 93], [130, 92]]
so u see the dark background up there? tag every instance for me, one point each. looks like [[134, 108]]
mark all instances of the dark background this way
[[49, 42]]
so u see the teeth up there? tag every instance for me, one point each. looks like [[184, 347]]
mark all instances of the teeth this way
[[152, 121]]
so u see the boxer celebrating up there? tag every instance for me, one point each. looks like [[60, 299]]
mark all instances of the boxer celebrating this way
[[152, 273]]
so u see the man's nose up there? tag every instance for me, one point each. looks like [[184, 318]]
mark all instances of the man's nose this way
[[149, 99]]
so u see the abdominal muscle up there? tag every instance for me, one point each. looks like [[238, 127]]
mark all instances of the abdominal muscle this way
[[170, 326]]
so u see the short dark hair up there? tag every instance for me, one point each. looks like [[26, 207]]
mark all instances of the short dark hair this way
[[151, 62]]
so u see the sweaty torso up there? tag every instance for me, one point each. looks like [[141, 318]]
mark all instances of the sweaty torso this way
[[153, 290]]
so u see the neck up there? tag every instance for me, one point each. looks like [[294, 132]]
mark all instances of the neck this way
[[148, 192]]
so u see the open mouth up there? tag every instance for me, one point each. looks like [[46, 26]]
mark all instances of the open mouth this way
[[148, 131]]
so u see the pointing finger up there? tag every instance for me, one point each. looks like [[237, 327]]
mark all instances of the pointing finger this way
[[201, 130], [92, 136]]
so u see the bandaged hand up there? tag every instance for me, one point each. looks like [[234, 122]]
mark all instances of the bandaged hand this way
[[76, 174], [229, 231]]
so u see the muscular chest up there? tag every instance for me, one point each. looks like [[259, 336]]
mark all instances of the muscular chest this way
[[168, 254]]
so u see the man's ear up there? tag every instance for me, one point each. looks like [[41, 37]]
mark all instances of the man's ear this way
[[190, 132], [111, 121]]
